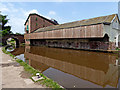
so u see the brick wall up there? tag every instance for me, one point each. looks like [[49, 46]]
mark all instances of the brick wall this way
[[35, 21], [27, 42], [112, 46]]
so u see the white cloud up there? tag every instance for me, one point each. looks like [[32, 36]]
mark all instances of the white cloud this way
[[52, 13], [26, 13], [8, 7], [31, 11], [3, 8], [17, 24], [16, 19], [17, 16]]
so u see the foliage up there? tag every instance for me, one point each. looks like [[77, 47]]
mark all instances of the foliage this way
[[22, 44], [6, 52], [18, 33], [12, 39], [117, 48], [5, 30], [1, 44], [11, 42]]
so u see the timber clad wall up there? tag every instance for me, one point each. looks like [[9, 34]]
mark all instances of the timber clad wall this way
[[76, 32]]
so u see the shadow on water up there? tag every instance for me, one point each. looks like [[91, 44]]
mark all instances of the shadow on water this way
[[72, 68]]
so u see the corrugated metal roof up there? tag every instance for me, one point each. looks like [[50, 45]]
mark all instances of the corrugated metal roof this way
[[98, 20]]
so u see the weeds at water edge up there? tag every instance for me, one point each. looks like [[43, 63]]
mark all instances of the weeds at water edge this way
[[45, 81]]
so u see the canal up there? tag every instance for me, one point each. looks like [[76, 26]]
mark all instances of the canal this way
[[72, 68]]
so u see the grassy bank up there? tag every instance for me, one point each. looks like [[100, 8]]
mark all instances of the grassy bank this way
[[45, 81]]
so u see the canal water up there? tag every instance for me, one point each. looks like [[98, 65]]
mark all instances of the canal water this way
[[72, 68]]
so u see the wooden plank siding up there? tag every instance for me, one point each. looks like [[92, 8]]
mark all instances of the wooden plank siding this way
[[91, 31]]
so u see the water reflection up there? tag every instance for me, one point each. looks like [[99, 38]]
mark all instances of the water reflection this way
[[72, 68], [10, 48]]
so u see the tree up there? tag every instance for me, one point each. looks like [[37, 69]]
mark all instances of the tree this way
[[18, 33], [5, 30]]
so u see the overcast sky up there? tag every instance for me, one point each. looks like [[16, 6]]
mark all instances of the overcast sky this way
[[63, 12]]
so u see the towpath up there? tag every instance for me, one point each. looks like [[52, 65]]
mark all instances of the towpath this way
[[12, 75]]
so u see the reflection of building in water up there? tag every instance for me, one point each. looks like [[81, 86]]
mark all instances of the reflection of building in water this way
[[91, 66], [18, 51]]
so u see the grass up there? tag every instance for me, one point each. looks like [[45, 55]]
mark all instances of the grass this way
[[6, 52], [118, 49], [12, 42], [22, 44], [1, 44], [45, 81]]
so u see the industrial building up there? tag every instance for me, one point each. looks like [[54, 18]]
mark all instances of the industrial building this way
[[99, 33]]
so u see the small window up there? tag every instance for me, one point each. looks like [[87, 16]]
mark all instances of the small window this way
[[36, 24], [36, 18], [27, 29], [116, 21]]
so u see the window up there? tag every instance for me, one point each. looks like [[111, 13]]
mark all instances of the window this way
[[36, 18], [36, 24], [27, 29]]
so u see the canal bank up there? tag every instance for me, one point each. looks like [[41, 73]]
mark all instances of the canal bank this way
[[13, 75], [72, 68], [19, 78]]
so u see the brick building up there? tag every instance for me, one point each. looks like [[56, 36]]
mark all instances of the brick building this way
[[100, 33], [35, 21]]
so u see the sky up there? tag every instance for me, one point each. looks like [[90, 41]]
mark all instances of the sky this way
[[63, 12]]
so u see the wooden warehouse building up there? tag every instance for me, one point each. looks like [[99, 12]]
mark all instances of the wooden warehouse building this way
[[100, 33]]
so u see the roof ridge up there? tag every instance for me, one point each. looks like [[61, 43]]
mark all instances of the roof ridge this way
[[105, 18], [87, 19], [85, 22], [39, 16]]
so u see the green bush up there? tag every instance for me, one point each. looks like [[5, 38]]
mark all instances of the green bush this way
[[117, 48]]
